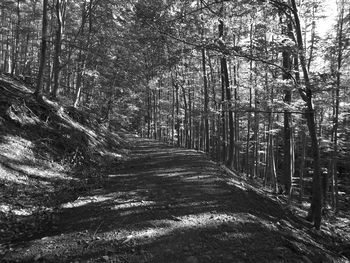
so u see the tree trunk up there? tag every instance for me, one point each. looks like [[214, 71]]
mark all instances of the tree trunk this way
[[190, 117], [286, 75], [336, 110], [226, 92], [173, 111], [15, 49], [155, 117], [177, 114], [206, 101], [186, 115], [302, 164], [313, 35], [236, 117], [315, 214], [39, 83], [58, 40]]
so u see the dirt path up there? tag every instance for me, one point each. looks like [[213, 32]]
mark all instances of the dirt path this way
[[172, 205]]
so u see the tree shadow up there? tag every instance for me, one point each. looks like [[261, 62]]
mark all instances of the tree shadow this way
[[168, 204]]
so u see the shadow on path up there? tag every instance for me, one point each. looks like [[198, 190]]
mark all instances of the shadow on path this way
[[173, 205]]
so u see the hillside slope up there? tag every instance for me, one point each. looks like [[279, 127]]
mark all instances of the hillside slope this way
[[49, 153]]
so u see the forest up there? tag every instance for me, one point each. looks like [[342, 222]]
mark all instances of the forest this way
[[258, 86]]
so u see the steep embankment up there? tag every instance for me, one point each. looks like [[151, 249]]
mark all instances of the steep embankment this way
[[49, 153]]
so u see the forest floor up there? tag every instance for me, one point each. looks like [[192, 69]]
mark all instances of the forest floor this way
[[128, 199], [174, 205]]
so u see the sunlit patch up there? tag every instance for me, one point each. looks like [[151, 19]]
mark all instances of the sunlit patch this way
[[13, 176], [237, 184], [159, 228], [198, 176], [85, 200], [113, 155], [132, 204], [35, 171], [167, 170], [175, 174], [16, 147], [154, 229], [120, 175], [165, 227], [16, 211]]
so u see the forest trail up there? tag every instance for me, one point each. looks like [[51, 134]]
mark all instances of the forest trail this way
[[169, 204]]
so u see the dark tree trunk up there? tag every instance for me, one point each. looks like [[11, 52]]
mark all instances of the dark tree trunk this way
[[315, 214], [206, 101], [39, 84], [15, 49], [336, 110], [57, 56], [226, 92]]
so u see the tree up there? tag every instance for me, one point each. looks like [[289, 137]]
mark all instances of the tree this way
[[307, 95], [60, 8], [339, 63], [42, 55]]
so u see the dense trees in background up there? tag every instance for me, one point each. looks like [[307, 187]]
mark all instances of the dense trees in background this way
[[257, 85]]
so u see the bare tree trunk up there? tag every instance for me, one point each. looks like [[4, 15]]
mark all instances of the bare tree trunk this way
[[186, 115], [177, 114], [60, 12], [15, 49], [236, 117], [190, 117], [226, 90], [39, 84], [315, 214], [173, 111], [288, 164], [337, 101], [313, 35], [215, 132], [206, 101], [155, 119], [302, 164], [79, 83]]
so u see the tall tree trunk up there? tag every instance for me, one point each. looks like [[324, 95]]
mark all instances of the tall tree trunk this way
[[173, 111], [206, 102], [227, 91], [236, 117], [39, 83], [223, 119], [60, 10], [82, 57], [302, 164], [288, 164], [337, 100], [177, 115], [15, 49], [315, 214], [247, 157], [149, 111], [190, 117], [154, 114], [186, 114]]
